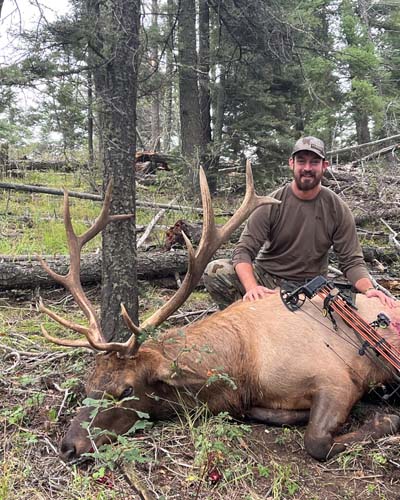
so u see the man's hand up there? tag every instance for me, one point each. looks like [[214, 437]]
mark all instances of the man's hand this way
[[258, 292], [386, 301]]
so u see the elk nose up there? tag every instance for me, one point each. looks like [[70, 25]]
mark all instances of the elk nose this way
[[67, 451]]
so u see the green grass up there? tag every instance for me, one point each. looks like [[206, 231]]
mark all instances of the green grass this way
[[32, 223]]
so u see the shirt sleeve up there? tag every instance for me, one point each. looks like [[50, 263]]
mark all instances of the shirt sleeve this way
[[255, 234], [347, 247]]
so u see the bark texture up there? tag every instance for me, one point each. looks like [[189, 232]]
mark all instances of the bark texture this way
[[114, 47], [189, 107], [28, 273]]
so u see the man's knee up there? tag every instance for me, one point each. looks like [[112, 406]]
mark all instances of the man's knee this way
[[217, 267], [221, 282]]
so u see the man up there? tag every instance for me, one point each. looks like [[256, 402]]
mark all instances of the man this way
[[290, 241]]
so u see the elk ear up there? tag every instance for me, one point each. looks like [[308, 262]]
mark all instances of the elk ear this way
[[175, 374]]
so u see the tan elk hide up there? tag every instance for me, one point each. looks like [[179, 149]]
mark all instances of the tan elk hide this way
[[255, 360]]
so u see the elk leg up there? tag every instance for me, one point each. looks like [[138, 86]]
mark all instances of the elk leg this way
[[378, 426], [328, 413], [278, 417]]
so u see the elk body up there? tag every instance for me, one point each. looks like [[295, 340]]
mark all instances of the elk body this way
[[288, 368], [254, 359]]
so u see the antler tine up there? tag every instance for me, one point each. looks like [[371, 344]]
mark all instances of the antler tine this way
[[64, 342], [212, 238], [76, 327], [71, 281], [103, 219]]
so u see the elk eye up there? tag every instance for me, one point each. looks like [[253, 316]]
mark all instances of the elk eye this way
[[126, 392]]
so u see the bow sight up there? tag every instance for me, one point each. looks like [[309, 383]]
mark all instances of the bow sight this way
[[294, 298]]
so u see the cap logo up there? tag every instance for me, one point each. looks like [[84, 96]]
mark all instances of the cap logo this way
[[315, 146]]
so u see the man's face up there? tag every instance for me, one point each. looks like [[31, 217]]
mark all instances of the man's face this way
[[308, 169]]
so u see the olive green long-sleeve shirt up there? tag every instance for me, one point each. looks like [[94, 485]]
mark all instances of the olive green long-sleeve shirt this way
[[291, 240]]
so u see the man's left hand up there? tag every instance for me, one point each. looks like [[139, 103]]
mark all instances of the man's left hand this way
[[386, 301]]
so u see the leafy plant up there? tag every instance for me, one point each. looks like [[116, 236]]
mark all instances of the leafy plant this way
[[284, 480], [123, 447]]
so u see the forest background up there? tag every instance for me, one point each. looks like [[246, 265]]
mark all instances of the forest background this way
[[211, 82], [201, 82]]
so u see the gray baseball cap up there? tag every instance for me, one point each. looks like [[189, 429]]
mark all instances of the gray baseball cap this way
[[310, 144]]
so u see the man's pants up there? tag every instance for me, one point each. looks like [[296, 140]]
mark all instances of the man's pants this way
[[222, 283]]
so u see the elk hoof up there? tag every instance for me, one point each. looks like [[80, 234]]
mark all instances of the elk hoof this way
[[322, 448], [67, 452], [384, 424]]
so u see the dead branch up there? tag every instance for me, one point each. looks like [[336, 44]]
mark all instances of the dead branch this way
[[152, 224], [43, 165], [392, 236], [360, 146], [337, 272], [89, 196], [389, 149]]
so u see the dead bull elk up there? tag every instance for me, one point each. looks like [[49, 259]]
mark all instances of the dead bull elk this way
[[287, 367]]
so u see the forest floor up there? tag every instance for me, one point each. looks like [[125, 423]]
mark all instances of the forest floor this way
[[195, 456]]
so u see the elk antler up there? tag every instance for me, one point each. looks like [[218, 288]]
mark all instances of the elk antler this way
[[71, 281], [211, 239]]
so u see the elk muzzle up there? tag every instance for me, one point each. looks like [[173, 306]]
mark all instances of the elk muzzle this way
[[82, 438]]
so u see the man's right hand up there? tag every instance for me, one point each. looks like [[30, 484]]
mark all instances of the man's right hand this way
[[258, 292], [246, 276]]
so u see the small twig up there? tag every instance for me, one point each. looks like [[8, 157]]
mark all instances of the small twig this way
[[12, 354], [363, 478], [20, 353], [134, 481], [200, 312], [393, 236], [66, 394], [152, 223]]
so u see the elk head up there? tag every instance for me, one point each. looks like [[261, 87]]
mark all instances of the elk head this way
[[124, 374]]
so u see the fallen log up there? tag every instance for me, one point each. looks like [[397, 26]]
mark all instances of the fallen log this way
[[90, 196], [360, 146], [375, 216], [43, 165], [26, 272]]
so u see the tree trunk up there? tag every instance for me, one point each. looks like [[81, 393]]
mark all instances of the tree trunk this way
[[90, 121], [204, 70], [114, 54], [209, 162], [219, 106], [189, 107], [155, 98], [170, 76], [362, 128]]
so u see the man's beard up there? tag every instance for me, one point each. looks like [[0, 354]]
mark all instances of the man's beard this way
[[307, 181]]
